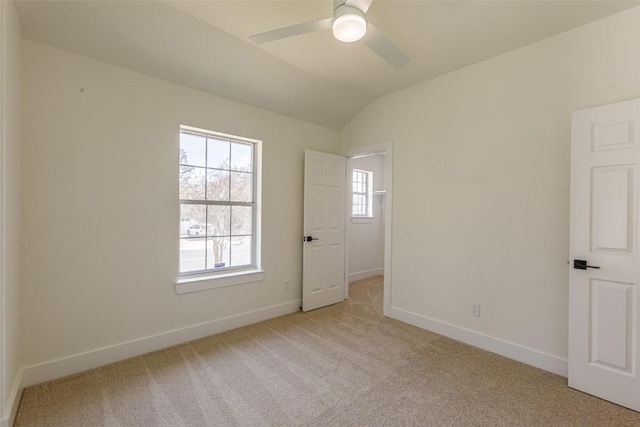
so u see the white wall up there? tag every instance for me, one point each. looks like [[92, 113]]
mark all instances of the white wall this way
[[10, 91], [100, 222], [481, 183], [366, 237]]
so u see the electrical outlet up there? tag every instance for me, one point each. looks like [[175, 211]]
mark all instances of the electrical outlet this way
[[475, 309], [286, 286]]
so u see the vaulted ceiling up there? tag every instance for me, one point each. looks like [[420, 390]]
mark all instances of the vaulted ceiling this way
[[313, 77]]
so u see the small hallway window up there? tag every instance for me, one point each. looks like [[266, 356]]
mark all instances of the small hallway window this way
[[362, 191]]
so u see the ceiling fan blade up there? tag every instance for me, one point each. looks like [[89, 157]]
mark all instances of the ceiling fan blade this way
[[377, 42], [363, 5], [294, 30]]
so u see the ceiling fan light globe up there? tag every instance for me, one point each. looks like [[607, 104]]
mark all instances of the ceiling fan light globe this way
[[349, 27]]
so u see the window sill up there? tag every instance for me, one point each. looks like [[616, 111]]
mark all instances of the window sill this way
[[205, 282], [361, 219]]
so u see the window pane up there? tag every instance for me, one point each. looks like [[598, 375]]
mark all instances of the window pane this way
[[218, 252], [241, 156], [241, 187], [192, 218], [359, 205], [218, 220], [218, 154], [241, 220], [240, 251], [217, 185], [191, 255], [192, 183], [192, 149]]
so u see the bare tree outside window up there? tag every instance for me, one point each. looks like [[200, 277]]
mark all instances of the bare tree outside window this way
[[216, 185]]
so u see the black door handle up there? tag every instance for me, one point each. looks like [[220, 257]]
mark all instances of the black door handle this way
[[309, 238], [581, 264]]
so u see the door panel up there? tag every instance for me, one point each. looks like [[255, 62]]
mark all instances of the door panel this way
[[603, 302], [612, 207], [612, 328], [323, 280]]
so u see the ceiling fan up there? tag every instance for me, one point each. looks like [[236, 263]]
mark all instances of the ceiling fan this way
[[349, 24]]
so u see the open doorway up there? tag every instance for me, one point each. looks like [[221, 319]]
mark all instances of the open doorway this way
[[368, 222]]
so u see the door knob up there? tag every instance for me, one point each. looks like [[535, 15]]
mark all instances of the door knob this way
[[581, 264], [309, 238]]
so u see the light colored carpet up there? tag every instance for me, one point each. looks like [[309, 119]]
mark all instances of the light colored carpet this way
[[344, 365]]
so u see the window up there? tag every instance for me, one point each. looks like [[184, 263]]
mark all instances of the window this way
[[218, 209], [362, 190]]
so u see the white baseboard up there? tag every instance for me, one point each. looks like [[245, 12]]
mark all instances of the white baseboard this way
[[514, 351], [13, 402], [366, 274], [69, 365]]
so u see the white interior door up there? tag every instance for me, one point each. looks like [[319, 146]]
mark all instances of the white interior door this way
[[323, 278], [603, 294]]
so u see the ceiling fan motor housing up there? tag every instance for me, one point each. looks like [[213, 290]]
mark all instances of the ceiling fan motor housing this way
[[349, 23]]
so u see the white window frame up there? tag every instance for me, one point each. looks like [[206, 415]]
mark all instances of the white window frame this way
[[216, 278], [368, 194]]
